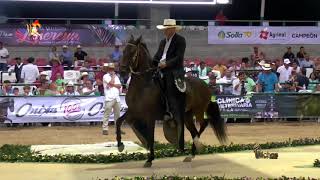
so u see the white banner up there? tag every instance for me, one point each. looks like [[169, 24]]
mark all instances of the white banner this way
[[55, 109], [263, 35]]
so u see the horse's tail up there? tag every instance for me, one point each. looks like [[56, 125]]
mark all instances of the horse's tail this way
[[216, 122]]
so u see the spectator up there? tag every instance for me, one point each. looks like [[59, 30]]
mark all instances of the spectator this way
[[193, 68], [267, 81], [220, 67], [53, 89], [284, 71], [87, 67], [203, 71], [116, 55], [17, 69], [43, 90], [306, 62], [53, 54], [89, 90], [79, 56], [295, 67], [257, 56], [43, 77], [66, 57], [274, 69], [288, 55], [215, 89], [243, 84], [70, 90], [288, 86], [29, 72], [15, 92], [27, 91], [56, 68], [313, 81], [99, 83], [302, 81], [205, 79], [99, 73], [301, 54], [112, 87], [7, 88], [60, 83], [4, 55], [227, 79], [220, 18], [234, 67]]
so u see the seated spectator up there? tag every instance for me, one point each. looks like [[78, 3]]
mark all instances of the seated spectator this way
[[53, 54], [56, 68], [15, 92], [7, 89], [228, 78], [243, 85], [66, 57], [53, 91], [295, 67], [70, 90], [288, 86], [43, 77], [257, 56], [302, 81], [99, 73], [288, 55], [43, 90], [99, 83], [313, 81], [306, 62], [29, 72], [267, 80], [284, 71], [87, 67], [80, 56], [27, 91], [194, 69], [203, 71], [60, 83], [17, 69], [215, 89], [88, 89], [301, 54], [220, 67], [234, 67]]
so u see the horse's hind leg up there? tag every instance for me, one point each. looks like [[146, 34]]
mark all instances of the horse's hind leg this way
[[194, 133], [118, 130]]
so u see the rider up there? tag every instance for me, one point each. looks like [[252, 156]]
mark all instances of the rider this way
[[169, 58]]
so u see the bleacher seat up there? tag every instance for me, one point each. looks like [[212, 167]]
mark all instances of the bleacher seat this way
[[71, 75]]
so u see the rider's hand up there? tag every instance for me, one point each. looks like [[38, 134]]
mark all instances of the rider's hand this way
[[162, 65]]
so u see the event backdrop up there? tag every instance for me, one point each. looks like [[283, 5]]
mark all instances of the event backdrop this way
[[263, 35], [48, 35]]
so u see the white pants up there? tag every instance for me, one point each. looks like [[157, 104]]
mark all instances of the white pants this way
[[109, 105]]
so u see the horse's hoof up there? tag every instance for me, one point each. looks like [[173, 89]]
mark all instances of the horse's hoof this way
[[147, 164], [199, 145], [188, 159], [121, 147]]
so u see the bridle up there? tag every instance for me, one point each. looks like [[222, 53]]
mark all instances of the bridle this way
[[135, 60]]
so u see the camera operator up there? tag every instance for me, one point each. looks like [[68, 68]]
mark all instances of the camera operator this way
[[243, 84]]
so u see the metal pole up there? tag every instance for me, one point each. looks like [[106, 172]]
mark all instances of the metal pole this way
[[116, 13], [263, 3]]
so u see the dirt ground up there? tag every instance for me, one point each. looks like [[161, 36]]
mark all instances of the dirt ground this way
[[237, 133]]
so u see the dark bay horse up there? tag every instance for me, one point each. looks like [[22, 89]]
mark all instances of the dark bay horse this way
[[145, 106], [5, 103]]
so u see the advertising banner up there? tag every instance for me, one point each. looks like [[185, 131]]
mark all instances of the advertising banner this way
[[35, 34], [263, 35], [55, 109]]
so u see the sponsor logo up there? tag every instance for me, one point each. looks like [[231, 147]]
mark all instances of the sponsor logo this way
[[71, 107], [264, 34], [4, 34], [221, 35], [234, 35], [28, 110], [305, 35]]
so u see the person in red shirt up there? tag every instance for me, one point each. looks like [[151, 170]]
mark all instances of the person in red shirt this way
[[221, 18], [56, 68]]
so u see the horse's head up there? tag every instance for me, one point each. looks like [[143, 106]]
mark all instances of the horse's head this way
[[130, 58]]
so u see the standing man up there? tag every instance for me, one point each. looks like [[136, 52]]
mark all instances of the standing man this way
[[66, 57], [79, 56], [4, 55], [29, 72], [112, 85], [169, 58]]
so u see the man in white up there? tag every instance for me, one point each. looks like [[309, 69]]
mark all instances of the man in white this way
[[284, 71], [112, 86], [4, 55], [29, 72]]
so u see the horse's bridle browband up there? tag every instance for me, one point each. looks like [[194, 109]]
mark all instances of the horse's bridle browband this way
[[136, 61]]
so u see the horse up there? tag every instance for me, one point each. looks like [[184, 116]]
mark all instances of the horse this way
[[6, 103], [145, 105]]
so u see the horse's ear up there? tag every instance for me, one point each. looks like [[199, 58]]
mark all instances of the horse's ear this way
[[131, 38]]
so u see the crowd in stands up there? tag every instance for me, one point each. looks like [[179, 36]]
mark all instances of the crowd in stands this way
[[255, 73]]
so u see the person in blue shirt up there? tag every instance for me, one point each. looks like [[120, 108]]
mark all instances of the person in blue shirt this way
[[66, 57], [116, 54], [267, 80]]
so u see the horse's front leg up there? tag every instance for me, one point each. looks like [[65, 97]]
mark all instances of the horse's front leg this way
[[151, 127], [118, 130]]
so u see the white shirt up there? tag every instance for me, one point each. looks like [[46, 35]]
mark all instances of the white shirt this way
[[165, 50], [29, 73], [3, 53], [85, 90], [238, 90], [72, 94], [111, 93], [284, 73]]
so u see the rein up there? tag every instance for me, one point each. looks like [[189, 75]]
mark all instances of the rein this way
[[136, 61]]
